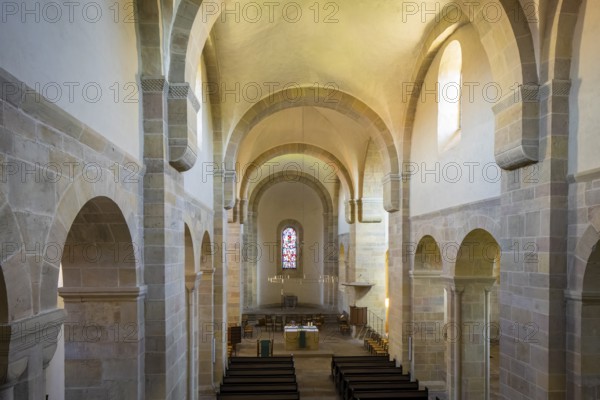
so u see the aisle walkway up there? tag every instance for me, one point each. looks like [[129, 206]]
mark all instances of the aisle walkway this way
[[313, 369]]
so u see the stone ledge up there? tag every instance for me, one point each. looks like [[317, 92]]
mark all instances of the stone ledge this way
[[93, 294], [589, 297], [424, 274]]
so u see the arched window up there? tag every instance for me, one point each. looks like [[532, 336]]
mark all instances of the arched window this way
[[289, 248], [449, 96], [289, 236]]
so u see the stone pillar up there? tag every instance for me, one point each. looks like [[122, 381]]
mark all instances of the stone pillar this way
[[249, 261], [224, 189], [534, 249], [455, 388], [369, 265], [191, 285], [428, 345], [26, 348], [104, 341], [469, 309], [206, 332], [234, 241], [163, 253]]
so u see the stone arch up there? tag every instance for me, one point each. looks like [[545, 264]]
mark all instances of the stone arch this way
[[583, 318], [250, 255], [297, 148], [71, 202], [478, 254], [149, 28], [15, 299], [558, 44], [206, 253], [428, 314], [478, 222], [186, 14], [191, 304], [579, 261], [3, 299], [512, 61], [427, 255], [99, 238], [289, 176], [189, 249], [339, 101], [476, 279], [206, 299], [101, 292]]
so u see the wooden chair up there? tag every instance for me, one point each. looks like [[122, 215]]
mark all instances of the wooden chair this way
[[248, 330], [278, 323], [268, 323]]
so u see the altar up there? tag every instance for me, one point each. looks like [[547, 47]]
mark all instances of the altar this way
[[301, 337]]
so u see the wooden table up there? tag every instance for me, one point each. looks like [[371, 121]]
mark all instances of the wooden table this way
[[292, 335]]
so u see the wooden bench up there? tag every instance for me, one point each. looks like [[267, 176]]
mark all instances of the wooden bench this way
[[269, 360], [259, 379], [363, 364], [371, 378], [356, 388], [272, 378], [264, 388], [261, 372], [259, 366], [351, 371], [404, 394], [259, 396], [341, 359]]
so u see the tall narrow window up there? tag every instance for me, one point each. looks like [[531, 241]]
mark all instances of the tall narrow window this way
[[449, 96], [289, 248]]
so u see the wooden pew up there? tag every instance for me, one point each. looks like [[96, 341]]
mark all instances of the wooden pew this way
[[269, 360], [371, 378], [348, 359], [361, 364], [404, 394], [260, 396], [352, 371], [259, 379], [240, 366], [356, 388], [264, 388], [261, 372]]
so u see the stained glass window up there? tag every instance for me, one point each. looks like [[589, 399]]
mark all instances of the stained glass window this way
[[289, 248]]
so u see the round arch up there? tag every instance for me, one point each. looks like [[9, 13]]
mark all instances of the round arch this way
[[250, 258], [478, 255], [427, 255], [339, 101], [15, 298], [297, 148], [288, 176], [72, 201], [517, 64]]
